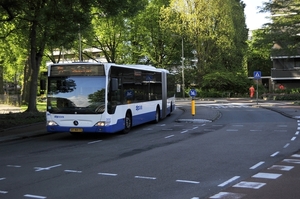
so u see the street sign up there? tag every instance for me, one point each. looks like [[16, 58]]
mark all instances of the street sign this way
[[257, 74], [193, 93]]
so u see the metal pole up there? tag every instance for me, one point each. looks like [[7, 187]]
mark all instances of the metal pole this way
[[182, 58], [257, 91], [79, 35]]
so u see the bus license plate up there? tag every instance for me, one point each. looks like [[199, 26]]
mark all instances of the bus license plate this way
[[76, 130]]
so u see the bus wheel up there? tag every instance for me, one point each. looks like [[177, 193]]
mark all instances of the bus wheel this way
[[128, 123], [157, 115]]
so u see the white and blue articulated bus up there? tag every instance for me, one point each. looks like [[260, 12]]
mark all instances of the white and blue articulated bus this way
[[106, 97]]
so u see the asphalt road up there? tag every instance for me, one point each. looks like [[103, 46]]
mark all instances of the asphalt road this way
[[165, 160]]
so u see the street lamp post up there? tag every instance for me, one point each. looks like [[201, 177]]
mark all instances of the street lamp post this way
[[182, 59]]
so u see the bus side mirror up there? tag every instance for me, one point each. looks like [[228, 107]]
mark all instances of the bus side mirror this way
[[114, 84]]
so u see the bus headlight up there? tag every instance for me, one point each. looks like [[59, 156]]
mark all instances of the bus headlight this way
[[51, 123], [100, 123]]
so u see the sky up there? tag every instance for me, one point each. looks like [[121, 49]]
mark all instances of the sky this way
[[254, 19]]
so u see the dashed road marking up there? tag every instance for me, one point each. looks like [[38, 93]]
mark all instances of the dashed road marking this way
[[73, 171], [3, 192], [257, 165], [229, 181], [274, 154], [188, 181], [228, 195], [285, 146], [249, 185], [267, 175], [108, 174], [93, 142], [281, 167], [169, 136], [46, 168], [14, 166], [294, 161], [145, 177], [2, 178], [296, 156], [34, 196], [293, 138]]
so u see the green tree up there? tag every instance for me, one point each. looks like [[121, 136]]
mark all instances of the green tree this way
[[284, 29], [259, 53]]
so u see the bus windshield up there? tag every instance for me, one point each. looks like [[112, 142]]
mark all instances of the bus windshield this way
[[76, 95]]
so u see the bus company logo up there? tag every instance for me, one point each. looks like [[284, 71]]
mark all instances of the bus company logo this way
[[58, 116], [139, 107]]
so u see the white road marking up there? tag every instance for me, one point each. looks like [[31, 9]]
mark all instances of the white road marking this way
[[2, 178], [282, 125], [95, 142], [73, 171], [274, 154], [257, 165], [298, 128], [162, 125], [228, 181], [249, 185], [145, 177], [293, 138], [108, 174], [281, 167], [195, 127], [148, 129], [184, 131], [267, 175], [295, 161], [278, 130], [169, 136], [46, 168], [34, 196], [228, 195], [231, 129], [255, 130], [3, 192], [15, 166], [296, 156], [297, 133], [188, 181], [285, 146]]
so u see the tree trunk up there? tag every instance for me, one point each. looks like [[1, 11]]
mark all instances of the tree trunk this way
[[25, 87], [36, 53], [1, 79]]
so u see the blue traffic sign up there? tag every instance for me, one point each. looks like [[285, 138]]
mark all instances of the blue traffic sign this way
[[257, 74], [193, 93]]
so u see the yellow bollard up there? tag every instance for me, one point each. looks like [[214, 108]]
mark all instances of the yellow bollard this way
[[193, 107]]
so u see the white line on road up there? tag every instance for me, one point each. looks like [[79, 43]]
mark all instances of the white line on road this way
[[3, 192], [2, 178], [108, 174], [296, 156], [169, 136], [46, 168], [15, 166], [34, 196], [257, 165], [73, 171], [267, 175], [297, 133], [188, 181], [274, 154], [228, 181], [145, 177], [250, 185], [184, 131], [293, 138], [93, 142], [285, 146], [231, 129], [281, 167]]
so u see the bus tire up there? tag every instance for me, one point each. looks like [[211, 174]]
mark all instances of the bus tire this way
[[127, 123], [157, 115]]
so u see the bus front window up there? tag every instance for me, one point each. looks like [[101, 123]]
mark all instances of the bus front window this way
[[76, 94]]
